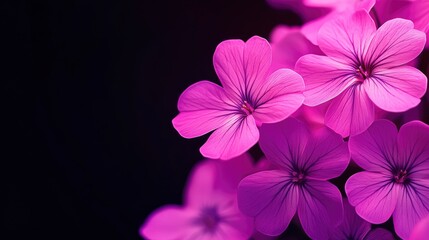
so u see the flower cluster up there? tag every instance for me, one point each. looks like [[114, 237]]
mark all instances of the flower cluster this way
[[317, 100]]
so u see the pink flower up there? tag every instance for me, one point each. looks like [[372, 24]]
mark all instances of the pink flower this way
[[363, 67], [249, 97], [396, 176], [421, 230], [210, 210], [354, 227], [305, 162]]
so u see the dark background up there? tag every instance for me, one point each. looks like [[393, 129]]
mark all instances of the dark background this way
[[91, 89]]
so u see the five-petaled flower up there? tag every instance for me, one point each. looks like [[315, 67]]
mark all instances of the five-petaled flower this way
[[305, 161], [249, 97], [396, 176], [364, 68]]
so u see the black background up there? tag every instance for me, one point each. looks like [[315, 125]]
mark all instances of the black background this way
[[91, 89]]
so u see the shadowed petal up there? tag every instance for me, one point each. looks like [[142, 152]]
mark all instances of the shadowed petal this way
[[397, 89], [271, 198], [379, 234], [232, 139], [412, 206], [320, 208], [352, 226], [203, 107], [375, 149], [350, 113], [346, 38], [373, 194], [324, 78], [279, 97], [395, 43], [284, 142]]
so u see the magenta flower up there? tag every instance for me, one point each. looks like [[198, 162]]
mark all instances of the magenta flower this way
[[354, 227], [421, 230], [396, 176], [363, 67], [305, 162], [249, 97], [210, 210]]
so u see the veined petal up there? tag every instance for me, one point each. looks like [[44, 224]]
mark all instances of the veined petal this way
[[379, 234], [352, 226], [421, 230], [203, 107], [283, 143], [279, 97], [320, 208], [395, 43], [412, 206], [270, 197], [324, 78], [397, 89], [347, 38], [232, 139], [375, 149], [373, 194], [351, 113]]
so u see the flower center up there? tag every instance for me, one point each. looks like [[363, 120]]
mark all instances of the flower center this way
[[401, 176], [247, 108], [362, 73], [298, 177], [209, 218]]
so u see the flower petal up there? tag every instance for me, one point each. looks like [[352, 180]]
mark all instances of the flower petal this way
[[412, 206], [413, 144], [169, 223], [284, 142], [421, 230], [271, 198], [379, 234], [320, 208], [375, 149], [324, 78], [373, 194], [326, 155], [203, 107], [395, 43], [279, 97], [232, 139], [351, 113], [347, 38], [397, 89], [352, 226]]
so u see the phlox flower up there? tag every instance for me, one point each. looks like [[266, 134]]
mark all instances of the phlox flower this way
[[249, 97], [364, 68], [396, 176], [304, 162], [354, 227], [421, 230], [210, 211]]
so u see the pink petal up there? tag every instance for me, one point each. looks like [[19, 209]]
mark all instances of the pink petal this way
[[271, 198], [279, 97], [169, 223], [326, 155], [346, 38], [324, 78], [234, 224], [374, 149], [284, 142], [373, 194], [311, 29], [320, 208], [352, 226], [397, 89], [242, 67], [412, 206], [203, 107], [421, 230], [232, 139], [379, 234], [395, 43], [350, 113], [413, 144]]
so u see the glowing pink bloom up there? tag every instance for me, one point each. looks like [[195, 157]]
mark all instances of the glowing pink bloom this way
[[363, 67], [396, 176], [305, 162], [354, 227], [210, 211], [421, 230], [249, 97]]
